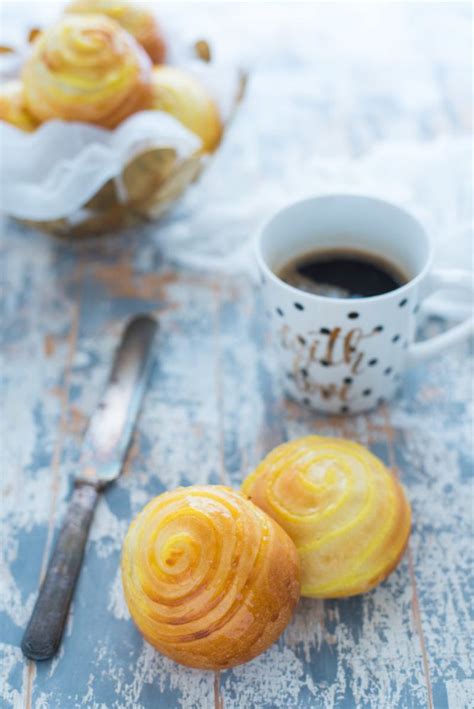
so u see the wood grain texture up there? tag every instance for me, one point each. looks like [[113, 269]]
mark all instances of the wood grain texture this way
[[214, 405]]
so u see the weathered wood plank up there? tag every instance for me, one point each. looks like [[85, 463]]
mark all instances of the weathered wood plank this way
[[214, 406], [214, 427]]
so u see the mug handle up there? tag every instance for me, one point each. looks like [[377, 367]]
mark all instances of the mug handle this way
[[445, 278]]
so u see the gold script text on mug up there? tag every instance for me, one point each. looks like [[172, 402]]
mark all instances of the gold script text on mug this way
[[305, 353]]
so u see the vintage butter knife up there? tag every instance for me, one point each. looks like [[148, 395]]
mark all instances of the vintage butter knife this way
[[104, 449]]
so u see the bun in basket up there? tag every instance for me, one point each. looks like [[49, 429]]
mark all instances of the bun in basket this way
[[137, 19], [86, 68]]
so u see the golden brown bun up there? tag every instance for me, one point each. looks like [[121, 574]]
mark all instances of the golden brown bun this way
[[345, 511], [136, 19], [86, 68], [13, 109], [210, 580], [184, 97]]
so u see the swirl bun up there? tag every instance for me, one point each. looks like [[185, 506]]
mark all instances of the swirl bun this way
[[86, 68], [136, 19], [13, 109], [184, 97], [345, 511], [210, 580]]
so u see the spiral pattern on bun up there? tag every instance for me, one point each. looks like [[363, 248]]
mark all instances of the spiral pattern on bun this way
[[13, 109], [210, 580], [345, 511], [86, 68], [135, 18]]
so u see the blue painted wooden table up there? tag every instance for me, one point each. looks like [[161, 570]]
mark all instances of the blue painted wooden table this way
[[336, 81]]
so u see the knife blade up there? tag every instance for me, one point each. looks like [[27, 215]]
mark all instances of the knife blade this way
[[104, 449]]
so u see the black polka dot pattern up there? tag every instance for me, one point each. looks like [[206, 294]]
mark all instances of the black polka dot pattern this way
[[348, 380]]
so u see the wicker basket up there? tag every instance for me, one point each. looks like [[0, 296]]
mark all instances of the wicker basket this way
[[148, 186]]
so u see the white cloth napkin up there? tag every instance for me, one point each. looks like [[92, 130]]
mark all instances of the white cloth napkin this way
[[433, 180], [54, 171]]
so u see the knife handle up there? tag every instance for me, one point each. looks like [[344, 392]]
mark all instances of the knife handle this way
[[44, 631]]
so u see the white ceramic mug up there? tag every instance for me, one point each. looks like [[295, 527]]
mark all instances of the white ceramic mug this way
[[346, 355]]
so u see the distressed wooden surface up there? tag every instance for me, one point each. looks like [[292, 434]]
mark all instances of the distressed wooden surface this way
[[214, 406]]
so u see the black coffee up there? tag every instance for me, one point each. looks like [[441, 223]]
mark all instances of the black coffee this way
[[342, 273]]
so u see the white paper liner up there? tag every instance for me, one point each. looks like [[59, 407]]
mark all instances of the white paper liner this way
[[52, 172]]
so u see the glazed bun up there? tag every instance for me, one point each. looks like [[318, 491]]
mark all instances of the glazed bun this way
[[13, 109], [86, 68], [184, 97], [210, 580], [345, 511], [138, 20]]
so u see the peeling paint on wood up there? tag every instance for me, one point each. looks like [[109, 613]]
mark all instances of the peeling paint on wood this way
[[214, 408], [404, 644]]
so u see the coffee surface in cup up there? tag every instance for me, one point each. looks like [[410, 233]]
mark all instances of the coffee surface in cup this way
[[342, 273]]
